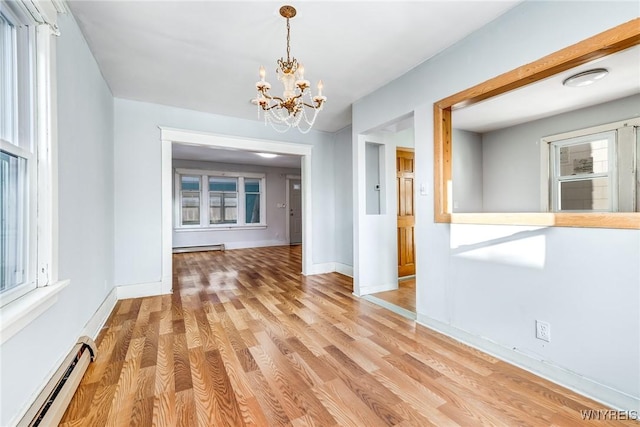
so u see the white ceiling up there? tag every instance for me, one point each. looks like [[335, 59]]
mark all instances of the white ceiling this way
[[205, 55], [549, 97], [207, 154]]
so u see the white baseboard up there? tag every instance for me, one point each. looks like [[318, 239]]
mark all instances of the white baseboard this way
[[366, 290], [604, 394], [140, 290], [97, 321], [323, 268], [344, 269], [331, 267]]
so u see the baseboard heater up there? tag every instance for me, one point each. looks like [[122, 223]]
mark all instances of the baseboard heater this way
[[218, 247], [52, 402]]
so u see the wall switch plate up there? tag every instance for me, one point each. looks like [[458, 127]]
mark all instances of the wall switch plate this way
[[543, 331]]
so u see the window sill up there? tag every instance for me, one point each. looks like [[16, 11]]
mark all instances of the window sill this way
[[16, 315], [585, 220], [221, 228]]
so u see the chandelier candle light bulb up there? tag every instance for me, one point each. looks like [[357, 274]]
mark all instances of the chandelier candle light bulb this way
[[297, 107]]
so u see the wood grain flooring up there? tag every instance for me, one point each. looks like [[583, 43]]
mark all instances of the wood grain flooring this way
[[246, 340], [403, 297]]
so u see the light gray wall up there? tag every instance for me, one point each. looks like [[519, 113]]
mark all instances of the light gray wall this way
[[403, 138], [585, 281], [511, 156], [372, 165], [274, 234], [137, 160], [85, 252], [466, 164], [343, 229]]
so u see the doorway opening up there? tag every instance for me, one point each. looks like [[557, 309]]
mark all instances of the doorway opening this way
[[402, 299], [251, 192]]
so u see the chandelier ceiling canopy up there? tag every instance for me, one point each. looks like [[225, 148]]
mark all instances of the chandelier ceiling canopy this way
[[297, 107]]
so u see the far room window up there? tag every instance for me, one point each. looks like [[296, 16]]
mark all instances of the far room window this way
[[215, 199], [595, 169], [252, 200], [18, 187], [223, 200], [190, 200]]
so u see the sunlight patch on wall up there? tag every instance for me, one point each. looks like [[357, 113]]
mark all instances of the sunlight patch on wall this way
[[512, 245]]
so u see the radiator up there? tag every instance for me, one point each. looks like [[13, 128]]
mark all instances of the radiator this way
[[216, 247], [49, 406]]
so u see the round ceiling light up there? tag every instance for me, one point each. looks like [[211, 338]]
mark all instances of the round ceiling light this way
[[585, 78], [267, 155]]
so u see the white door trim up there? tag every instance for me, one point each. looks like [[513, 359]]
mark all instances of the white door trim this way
[[171, 135]]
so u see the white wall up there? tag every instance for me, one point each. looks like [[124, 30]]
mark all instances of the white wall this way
[[467, 169], [375, 235], [511, 156], [343, 228], [372, 178], [85, 252], [137, 158], [403, 138], [496, 297], [274, 234]]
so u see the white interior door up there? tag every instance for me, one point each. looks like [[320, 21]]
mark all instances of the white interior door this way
[[295, 211]]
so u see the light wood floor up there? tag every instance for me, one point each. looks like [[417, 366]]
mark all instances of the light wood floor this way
[[246, 340], [403, 297]]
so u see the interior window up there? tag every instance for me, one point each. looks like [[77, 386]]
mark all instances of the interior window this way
[[582, 171]]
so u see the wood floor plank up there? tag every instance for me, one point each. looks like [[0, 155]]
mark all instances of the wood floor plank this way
[[181, 364], [185, 409], [245, 339], [165, 380], [163, 409], [333, 394], [268, 400], [127, 383], [227, 408]]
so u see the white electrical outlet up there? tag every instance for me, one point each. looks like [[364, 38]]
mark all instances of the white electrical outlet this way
[[543, 331]]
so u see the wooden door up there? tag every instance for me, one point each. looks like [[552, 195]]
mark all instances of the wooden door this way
[[406, 220]]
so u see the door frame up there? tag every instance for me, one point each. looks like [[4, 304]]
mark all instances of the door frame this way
[[287, 221], [413, 195], [170, 135]]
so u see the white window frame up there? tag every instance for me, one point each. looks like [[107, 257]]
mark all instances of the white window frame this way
[[624, 155], [610, 174], [206, 219], [204, 199], [19, 120], [179, 192], [16, 313]]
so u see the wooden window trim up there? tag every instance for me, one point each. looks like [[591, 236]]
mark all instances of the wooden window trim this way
[[608, 42]]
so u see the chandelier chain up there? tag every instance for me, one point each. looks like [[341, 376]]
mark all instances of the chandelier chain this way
[[288, 41]]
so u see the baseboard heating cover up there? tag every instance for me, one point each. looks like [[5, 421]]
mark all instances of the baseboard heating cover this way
[[49, 406], [218, 247]]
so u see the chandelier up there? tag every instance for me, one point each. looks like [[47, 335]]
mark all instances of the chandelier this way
[[296, 108]]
